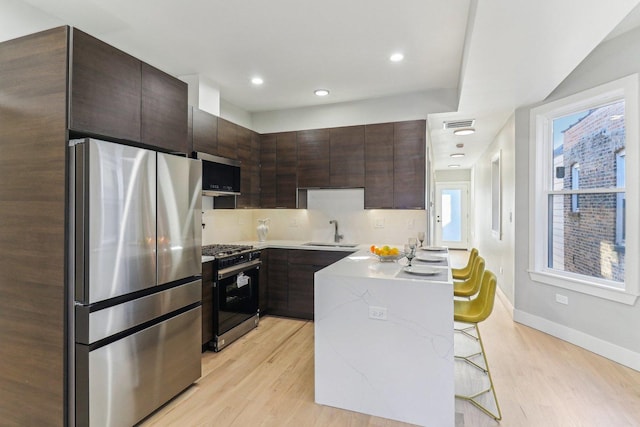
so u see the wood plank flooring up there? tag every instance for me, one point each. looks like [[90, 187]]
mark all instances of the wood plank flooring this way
[[266, 379]]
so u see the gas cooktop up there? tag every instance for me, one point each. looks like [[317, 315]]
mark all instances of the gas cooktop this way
[[223, 250]]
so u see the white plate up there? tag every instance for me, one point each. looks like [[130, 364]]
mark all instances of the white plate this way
[[434, 248], [423, 271], [429, 258]]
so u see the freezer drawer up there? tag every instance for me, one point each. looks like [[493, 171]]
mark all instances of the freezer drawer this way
[[92, 326], [130, 378]]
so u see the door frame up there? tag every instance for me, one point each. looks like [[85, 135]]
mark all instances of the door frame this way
[[439, 186]]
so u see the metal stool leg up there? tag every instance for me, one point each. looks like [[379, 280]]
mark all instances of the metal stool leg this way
[[472, 398]]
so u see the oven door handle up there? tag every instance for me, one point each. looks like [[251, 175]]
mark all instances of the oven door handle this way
[[230, 271]]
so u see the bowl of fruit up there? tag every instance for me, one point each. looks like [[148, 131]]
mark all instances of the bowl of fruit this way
[[386, 253]]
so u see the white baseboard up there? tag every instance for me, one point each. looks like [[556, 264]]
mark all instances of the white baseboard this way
[[603, 348]]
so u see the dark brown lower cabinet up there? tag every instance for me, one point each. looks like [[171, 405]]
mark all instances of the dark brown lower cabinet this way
[[291, 279], [207, 303]]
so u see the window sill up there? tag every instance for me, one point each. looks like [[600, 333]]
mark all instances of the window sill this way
[[585, 287]]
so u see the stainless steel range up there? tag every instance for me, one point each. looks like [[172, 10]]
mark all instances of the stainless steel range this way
[[235, 292]]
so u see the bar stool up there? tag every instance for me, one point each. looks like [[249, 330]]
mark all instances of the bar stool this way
[[469, 287], [464, 272], [473, 312]]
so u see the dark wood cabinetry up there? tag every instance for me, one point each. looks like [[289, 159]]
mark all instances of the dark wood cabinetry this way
[[227, 139], [116, 96], [291, 279], [263, 283], [278, 280], [248, 150], [268, 171], [378, 188], [278, 170], [286, 170], [347, 157], [313, 158], [395, 165], [207, 303], [204, 129], [33, 125], [105, 89], [409, 164], [163, 113]]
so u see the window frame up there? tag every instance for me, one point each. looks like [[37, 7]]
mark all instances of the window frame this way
[[541, 186]]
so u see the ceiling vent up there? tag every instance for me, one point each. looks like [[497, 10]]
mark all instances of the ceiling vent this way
[[458, 124]]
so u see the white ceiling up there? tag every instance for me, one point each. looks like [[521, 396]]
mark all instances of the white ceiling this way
[[498, 54]]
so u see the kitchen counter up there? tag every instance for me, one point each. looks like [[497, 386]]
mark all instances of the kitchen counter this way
[[292, 244], [384, 341]]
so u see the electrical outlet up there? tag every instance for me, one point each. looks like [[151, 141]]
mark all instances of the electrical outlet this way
[[562, 299], [378, 313], [501, 270], [379, 223]]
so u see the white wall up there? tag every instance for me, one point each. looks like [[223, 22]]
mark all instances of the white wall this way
[[498, 254], [453, 175], [414, 106], [603, 326]]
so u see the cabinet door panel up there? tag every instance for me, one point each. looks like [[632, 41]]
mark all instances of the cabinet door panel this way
[[286, 170], [205, 132], [313, 158], [164, 110], [278, 293], [347, 157], [227, 139], [378, 191], [105, 89], [268, 171], [301, 290], [409, 164]]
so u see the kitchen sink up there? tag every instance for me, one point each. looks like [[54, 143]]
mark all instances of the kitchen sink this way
[[332, 245]]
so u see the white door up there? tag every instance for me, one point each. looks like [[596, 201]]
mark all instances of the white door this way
[[452, 219]]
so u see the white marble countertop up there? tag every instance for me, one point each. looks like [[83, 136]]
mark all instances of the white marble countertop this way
[[384, 340]]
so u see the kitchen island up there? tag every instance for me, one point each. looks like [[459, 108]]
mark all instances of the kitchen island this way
[[384, 341]]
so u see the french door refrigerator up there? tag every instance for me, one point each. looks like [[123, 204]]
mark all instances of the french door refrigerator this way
[[136, 269]]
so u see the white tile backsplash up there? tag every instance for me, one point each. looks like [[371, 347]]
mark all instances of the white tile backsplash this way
[[358, 225]]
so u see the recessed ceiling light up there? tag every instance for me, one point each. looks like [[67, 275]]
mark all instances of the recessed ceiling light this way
[[321, 92], [396, 57], [460, 145], [462, 132], [257, 81], [454, 166], [454, 155]]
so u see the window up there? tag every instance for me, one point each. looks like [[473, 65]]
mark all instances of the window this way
[[579, 219]]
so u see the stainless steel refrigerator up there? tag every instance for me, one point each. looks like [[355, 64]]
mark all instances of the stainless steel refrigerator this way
[[135, 251]]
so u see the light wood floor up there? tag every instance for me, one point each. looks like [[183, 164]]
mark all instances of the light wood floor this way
[[266, 379]]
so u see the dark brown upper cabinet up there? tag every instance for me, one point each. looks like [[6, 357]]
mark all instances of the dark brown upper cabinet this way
[[105, 89], [227, 139], [286, 170], [347, 157], [268, 171], [378, 188], [163, 110], [313, 158], [249, 156], [409, 164], [204, 131], [116, 96]]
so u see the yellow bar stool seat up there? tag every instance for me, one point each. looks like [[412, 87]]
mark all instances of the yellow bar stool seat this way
[[473, 312], [469, 287], [465, 272]]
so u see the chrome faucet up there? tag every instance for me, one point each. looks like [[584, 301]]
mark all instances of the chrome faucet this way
[[336, 237]]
